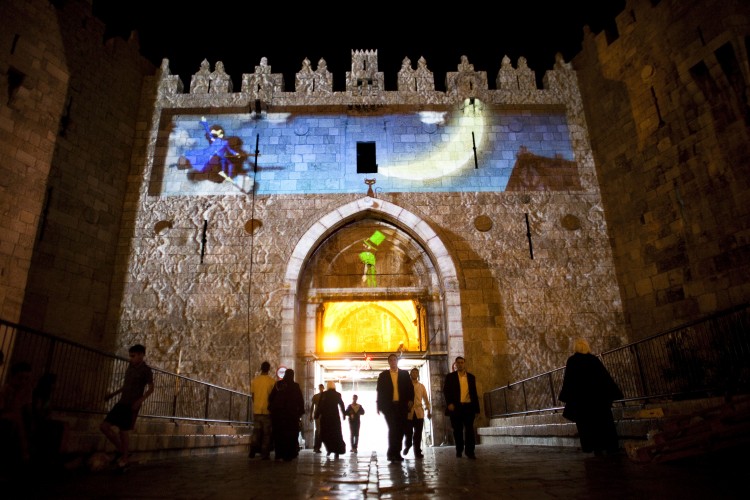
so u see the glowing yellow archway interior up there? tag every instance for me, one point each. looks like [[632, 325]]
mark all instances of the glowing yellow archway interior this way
[[371, 326]]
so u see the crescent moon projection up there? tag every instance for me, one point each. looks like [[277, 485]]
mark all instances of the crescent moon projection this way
[[450, 156]]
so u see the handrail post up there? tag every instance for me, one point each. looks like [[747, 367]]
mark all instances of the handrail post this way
[[208, 398], [525, 402], [50, 354], [639, 365], [174, 399], [552, 389], [231, 400]]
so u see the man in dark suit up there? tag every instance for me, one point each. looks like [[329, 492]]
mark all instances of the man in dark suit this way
[[462, 406], [395, 397]]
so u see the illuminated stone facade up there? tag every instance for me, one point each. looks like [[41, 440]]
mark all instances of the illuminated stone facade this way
[[235, 262], [123, 227]]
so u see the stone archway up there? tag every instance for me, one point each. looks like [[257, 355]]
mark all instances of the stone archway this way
[[418, 230]]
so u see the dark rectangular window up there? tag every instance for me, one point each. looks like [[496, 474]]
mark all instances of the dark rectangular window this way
[[366, 158]]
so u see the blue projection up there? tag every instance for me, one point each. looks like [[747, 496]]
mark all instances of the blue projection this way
[[461, 150]]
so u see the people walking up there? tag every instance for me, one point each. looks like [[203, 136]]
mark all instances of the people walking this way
[[462, 407], [138, 385], [330, 425], [353, 412], [16, 417], [415, 418], [49, 436], [395, 397], [588, 391], [313, 408], [287, 406], [260, 388]]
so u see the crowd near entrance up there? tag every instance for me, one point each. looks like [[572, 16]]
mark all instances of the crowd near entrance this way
[[373, 435], [375, 285]]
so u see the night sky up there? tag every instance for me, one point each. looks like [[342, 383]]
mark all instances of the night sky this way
[[240, 33]]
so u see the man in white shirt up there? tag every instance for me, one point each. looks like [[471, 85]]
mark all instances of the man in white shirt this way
[[415, 418]]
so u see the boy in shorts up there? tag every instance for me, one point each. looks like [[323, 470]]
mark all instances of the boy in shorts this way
[[138, 385]]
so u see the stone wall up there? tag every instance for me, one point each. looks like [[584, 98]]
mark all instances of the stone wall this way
[[34, 90], [102, 222], [69, 128], [667, 110], [223, 305]]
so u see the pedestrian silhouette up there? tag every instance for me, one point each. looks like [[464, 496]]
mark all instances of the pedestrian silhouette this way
[[353, 412], [588, 391], [330, 424]]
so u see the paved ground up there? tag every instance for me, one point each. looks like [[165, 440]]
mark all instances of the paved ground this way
[[500, 472]]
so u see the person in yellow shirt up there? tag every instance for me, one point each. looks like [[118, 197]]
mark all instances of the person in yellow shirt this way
[[260, 388], [462, 406], [395, 397]]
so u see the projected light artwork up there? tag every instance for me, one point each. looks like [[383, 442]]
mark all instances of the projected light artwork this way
[[468, 148]]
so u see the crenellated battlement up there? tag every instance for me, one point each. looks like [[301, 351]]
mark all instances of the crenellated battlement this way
[[366, 85]]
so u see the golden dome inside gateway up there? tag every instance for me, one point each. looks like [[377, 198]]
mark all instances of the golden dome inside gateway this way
[[370, 326]]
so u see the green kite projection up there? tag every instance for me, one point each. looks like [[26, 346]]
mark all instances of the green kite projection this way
[[369, 276]]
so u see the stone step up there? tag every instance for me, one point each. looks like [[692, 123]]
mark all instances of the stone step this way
[[635, 422], [156, 438], [556, 432], [83, 422]]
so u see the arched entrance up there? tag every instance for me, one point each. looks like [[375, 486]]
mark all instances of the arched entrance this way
[[368, 279]]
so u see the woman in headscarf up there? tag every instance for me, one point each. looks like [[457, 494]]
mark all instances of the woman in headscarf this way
[[330, 423], [588, 391], [287, 406]]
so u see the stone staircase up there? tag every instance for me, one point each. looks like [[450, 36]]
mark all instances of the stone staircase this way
[[160, 438], [635, 423], [156, 438]]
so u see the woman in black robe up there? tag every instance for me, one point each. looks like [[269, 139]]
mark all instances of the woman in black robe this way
[[287, 406], [588, 391], [330, 424]]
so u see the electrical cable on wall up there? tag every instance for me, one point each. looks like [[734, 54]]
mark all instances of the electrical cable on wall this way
[[252, 247]]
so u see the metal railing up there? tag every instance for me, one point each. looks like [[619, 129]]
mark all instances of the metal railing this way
[[708, 357], [85, 375]]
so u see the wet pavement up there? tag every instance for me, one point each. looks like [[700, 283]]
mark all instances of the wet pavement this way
[[499, 472]]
